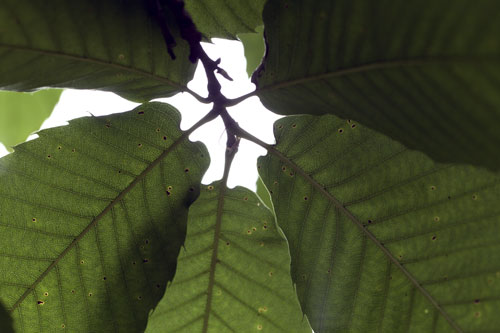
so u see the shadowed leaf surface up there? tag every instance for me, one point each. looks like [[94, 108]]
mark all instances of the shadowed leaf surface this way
[[92, 216], [254, 46], [5, 321], [382, 238], [426, 73], [23, 113], [105, 45], [246, 279], [225, 19]]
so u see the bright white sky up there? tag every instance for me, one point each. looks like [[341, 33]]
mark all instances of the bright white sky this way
[[250, 114]]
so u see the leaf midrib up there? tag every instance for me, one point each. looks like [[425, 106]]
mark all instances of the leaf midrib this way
[[118, 198], [382, 65], [95, 61], [359, 224]]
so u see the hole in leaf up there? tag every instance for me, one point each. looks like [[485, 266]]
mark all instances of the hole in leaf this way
[[45, 294], [434, 238], [140, 112], [341, 130], [139, 145], [145, 260], [40, 302], [164, 138], [186, 170]]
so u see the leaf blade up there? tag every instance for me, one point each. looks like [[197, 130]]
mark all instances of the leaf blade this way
[[222, 19], [400, 70], [382, 230], [106, 223], [111, 46], [22, 113], [251, 289]]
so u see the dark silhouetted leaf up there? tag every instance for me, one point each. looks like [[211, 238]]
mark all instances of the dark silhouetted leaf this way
[[426, 73], [234, 273], [5, 321], [23, 113], [382, 238], [92, 217], [106, 45]]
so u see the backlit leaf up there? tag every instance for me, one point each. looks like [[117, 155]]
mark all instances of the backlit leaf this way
[[234, 272], [254, 46], [92, 217], [382, 238], [23, 113], [105, 45], [426, 73], [225, 19]]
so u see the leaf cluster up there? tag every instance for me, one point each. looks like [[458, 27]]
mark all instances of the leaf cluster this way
[[375, 211]]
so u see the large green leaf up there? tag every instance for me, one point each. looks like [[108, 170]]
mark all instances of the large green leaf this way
[[92, 217], [234, 272], [426, 73], [382, 238], [254, 47], [106, 45], [225, 19], [23, 113]]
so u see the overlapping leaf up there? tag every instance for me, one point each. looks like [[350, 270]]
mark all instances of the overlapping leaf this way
[[92, 216], [234, 273], [225, 19], [424, 72], [23, 113], [382, 238], [254, 47], [106, 45]]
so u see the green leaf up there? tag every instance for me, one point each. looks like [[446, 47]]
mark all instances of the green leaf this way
[[106, 45], [426, 73], [234, 272], [225, 19], [92, 217], [254, 46], [382, 238], [263, 193], [23, 113]]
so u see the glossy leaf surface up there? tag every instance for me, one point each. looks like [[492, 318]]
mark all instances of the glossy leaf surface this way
[[105, 45], [225, 19], [382, 238], [92, 217], [233, 274], [23, 113], [426, 73]]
